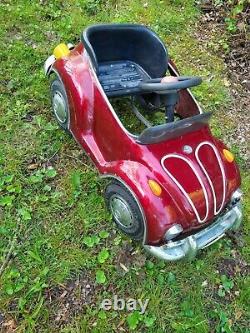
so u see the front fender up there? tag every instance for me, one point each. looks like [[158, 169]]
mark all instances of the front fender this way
[[160, 213], [231, 170]]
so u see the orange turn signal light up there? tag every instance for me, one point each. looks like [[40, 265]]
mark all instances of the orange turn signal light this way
[[228, 155], [61, 50], [155, 187]]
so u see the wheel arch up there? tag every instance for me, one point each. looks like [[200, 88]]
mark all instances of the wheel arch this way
[[57, 75], [135, 197], [160, 212]]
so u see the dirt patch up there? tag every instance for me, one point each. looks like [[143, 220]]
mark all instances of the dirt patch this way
[[129, 257], [237, 60], [124, 258], [7, 325], [233, 266], [70, 299], [14, 33], [239, 115], [225, 15]]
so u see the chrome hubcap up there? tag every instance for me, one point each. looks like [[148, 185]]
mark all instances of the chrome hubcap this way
[[59, 107], [121, 211]]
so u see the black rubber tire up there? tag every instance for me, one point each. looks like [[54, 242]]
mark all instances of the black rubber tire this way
[[136, 231], [57, 86]]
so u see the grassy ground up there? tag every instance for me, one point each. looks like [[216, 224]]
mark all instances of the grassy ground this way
[[65, 254]]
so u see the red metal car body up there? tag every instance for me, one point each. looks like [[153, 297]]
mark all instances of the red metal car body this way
[[196, 174]]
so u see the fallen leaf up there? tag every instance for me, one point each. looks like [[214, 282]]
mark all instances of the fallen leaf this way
[[204, 283], [10, 325], [124, 267], [226, 83], [33, 166]]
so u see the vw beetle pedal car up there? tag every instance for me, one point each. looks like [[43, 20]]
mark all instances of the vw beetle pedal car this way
[[173, 186]]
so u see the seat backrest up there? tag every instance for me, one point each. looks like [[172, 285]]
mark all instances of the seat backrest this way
[[117, 42]]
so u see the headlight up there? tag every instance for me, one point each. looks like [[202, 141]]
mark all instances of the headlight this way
[[173, 232], [236, 197]]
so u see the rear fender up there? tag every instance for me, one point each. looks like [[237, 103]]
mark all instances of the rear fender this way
[[74, 72]]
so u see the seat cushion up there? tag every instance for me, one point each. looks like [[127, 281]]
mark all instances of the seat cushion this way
[[121, 78]]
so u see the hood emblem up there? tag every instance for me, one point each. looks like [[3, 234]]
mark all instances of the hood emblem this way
[[187, 149]]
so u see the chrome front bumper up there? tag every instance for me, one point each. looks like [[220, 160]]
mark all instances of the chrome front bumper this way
[[188, 247]]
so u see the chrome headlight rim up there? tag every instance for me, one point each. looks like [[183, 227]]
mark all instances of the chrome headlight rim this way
[[174, 231], [236, 197]]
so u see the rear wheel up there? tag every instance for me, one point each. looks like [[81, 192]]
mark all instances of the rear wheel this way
[[125, 210], [60, 104]]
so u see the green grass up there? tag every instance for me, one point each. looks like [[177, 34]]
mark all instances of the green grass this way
[[52, 211]]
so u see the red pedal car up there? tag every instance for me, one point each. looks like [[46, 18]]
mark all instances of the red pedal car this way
[[172, 185]]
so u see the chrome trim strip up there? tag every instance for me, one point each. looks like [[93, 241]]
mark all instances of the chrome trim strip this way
[[182, 189], [189, 246], [135, 198], [216, 211]]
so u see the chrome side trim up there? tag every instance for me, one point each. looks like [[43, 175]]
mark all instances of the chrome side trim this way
[[189, 246], [216, 211], [135, 198], [182, 189]]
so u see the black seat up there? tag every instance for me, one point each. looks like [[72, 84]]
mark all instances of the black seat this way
[[123, 55]]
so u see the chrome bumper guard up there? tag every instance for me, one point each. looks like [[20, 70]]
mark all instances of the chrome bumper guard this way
[[48, 64], [188, 247]]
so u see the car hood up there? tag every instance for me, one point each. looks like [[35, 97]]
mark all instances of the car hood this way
[[195, 174]]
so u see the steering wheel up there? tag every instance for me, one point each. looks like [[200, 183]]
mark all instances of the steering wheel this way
[[182, 82]]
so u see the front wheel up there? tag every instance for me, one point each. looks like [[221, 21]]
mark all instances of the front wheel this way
[[125, 210], [60, 104]]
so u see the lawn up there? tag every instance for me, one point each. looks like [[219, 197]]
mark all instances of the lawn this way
[[62, 253]]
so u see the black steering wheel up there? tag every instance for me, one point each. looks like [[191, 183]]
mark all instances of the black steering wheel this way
[[169, 90], [155, 85]]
